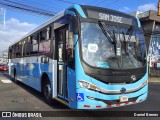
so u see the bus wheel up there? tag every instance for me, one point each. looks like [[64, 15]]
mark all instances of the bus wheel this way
[[15, 77], [47, 91]]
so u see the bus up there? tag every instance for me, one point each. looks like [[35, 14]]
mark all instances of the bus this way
[[85, 57]]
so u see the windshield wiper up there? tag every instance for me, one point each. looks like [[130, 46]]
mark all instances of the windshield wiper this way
[[107, 33], [130, 31], [110, 36], [124, 43]]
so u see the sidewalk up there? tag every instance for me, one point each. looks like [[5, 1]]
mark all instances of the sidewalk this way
[[154, 79]]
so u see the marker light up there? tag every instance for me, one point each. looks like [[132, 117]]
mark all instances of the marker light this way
[[88, 85]]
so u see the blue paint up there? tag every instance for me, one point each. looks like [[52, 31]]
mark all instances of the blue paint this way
[[30, 73], [72, 88], [79, 10]]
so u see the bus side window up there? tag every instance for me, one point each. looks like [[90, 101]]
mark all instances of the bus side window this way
[[34, 42], [28, 46], [10, 53], [17, 50], [23, 48], [45, 40], [14, 54], [20, 49]]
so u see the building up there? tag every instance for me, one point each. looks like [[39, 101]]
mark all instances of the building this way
[[3, 57], [150, 22]]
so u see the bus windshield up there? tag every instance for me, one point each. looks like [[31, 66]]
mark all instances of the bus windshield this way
[[112, 47]]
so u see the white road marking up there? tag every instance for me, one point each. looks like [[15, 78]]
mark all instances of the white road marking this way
[[6, 81]]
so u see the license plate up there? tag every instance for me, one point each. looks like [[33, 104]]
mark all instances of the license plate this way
[[123, 98]]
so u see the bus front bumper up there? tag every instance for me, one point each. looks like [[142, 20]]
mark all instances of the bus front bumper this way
[[87, 99]]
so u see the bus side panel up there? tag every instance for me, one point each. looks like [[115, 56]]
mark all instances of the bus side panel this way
[[72, 88], [29, 71], [35, 70]]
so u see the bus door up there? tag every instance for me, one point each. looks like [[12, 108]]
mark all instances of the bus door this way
[[62, 85]]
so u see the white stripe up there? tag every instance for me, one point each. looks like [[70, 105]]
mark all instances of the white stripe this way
[[6, 81]]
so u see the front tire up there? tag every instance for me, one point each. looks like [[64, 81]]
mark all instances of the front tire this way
[[47, 92]]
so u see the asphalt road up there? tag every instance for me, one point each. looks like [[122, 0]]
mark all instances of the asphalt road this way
[[19, 97]]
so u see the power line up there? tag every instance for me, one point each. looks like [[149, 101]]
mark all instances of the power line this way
[[40, 4], [67, 2], [31, 7], [27, 8]]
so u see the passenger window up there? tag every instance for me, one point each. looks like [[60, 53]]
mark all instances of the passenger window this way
[[35, 38], [23, 48], [10, 53], [20, 49], [28, 46], [45, 40], [14, 48], [34, 42], [43, 35]]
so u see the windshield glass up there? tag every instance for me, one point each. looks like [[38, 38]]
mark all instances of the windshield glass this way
[[126, 52]]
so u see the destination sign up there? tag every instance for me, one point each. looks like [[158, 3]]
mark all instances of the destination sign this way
[[109, 17]]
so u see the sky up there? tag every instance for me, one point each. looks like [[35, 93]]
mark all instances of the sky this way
[[19, 23]]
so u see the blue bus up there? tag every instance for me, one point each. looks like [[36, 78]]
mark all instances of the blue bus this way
[[85, 57]]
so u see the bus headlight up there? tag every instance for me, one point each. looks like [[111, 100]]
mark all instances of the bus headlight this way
[[88, 85]]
